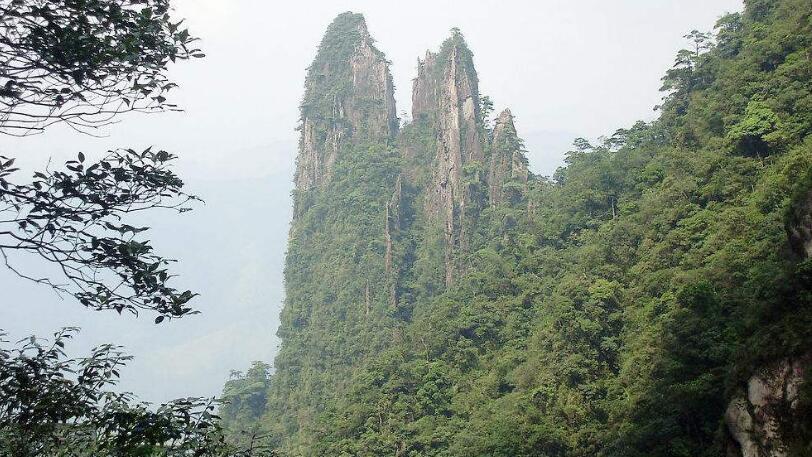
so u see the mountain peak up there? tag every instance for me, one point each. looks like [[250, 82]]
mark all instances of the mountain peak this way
[[508, 163], [349, 20], [456, 46], [505, 117], [452, 64], [503, 124], [349, 97]]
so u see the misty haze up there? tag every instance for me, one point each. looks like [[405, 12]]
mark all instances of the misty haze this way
[[539, 228]]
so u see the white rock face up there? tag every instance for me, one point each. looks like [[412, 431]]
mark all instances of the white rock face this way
[[372, 104], [772, 395], [740, 424], [447, 92], [309, 160], [425, 89]]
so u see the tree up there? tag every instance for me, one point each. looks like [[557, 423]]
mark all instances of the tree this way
[[245, 398], [681, 410], [82, 62], [701, 42], [685, 76], [75, 219], [759, 130], [85, 61], [728, 35], [485, 111], [54, 405]]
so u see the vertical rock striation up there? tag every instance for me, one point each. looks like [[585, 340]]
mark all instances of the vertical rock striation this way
[[349, 97], [755, 419], [508, 173], [376, 211], [446, 91], [425, 93]]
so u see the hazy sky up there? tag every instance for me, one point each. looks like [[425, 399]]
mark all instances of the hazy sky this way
[[565, 68]]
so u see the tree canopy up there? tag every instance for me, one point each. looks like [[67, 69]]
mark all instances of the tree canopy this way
[[614, 309], [83, 62]]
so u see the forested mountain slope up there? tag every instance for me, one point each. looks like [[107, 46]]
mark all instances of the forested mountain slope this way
[[653, 298]]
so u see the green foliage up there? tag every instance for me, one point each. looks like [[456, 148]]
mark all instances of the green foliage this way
[[83, 62], [485, 110], [610, 311], [758, 131], [329, 77], [243, 403], [337, 308], [51, 405], [456, 44], [75, 218]]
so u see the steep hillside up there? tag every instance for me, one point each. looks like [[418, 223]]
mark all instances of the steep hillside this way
[[653, 298]]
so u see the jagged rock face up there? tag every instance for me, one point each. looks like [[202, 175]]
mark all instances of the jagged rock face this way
[[349, 97], [446, 90], [371, 109], [508, 163], [754, 420], [425, 89], [392, 224], [459, 109]]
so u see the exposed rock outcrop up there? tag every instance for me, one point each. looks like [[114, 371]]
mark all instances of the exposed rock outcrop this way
[[447, 89], [425, 93], [755, 419], [371, 108], [349, 97], [508, 164]]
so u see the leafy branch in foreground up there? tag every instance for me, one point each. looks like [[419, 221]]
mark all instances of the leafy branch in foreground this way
[[82, 62], [75, 220], [56, 406]]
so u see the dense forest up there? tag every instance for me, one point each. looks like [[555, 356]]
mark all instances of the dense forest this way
[[652, 298]]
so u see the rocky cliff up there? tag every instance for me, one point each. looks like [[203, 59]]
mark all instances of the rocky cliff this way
[[760, 419], [446, 92], [425, 89], [338, 268], [349, 97], [392, 228], [643, 302], [371, 196], [508, 173]]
